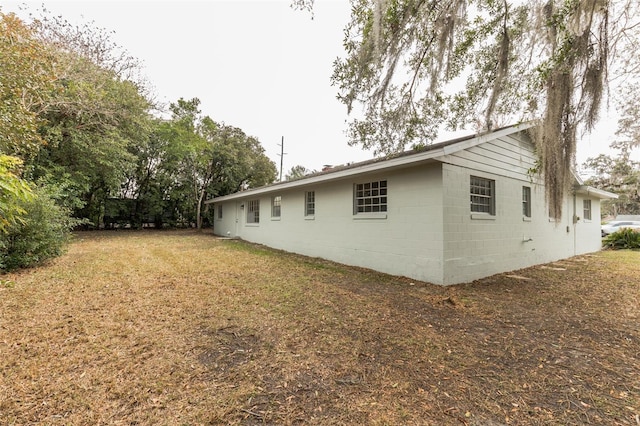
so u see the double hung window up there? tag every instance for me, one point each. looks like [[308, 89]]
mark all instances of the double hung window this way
[[309, 203], [276, 203], [526, 201], [483, 197], [586, 207]]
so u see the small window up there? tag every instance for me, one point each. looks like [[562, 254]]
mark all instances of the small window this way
[[276, 202], [526, 201], [370, 197], [310, 203], [483, 195], [253, 211], [220, 211], [586, 207]]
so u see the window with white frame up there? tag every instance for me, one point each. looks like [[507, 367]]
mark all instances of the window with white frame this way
[[220, 211], [276, 203], [526, 201], [483, 195], [309, 203], [370, 197], [586, 209], [253, 211]]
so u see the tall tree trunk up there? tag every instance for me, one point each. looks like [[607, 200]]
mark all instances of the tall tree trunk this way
[[199, 209]]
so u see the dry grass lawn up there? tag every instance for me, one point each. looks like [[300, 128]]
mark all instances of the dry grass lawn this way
[[181, 328]]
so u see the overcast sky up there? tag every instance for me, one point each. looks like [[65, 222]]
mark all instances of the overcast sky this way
[[257, 65]]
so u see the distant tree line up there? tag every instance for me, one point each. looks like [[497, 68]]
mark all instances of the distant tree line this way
[[83, 144], [619, 172]]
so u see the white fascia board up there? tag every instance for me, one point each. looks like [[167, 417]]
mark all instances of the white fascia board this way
[[486, 137], [595, 192], [393, 163], [578, 179], [382, 164]]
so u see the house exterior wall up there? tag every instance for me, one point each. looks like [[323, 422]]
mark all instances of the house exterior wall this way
[[477, 245], [429, 232], [406, 240], [227, 224], [587, 236]]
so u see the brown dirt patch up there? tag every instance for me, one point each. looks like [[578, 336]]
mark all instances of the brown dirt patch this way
[[182, 328]]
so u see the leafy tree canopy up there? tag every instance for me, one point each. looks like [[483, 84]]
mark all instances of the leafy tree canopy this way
[[416, 66], [219, 158], [13, 191], [190, 158], [297, 172], [619, 173], [26, 75], [94, 117], [26, 82]]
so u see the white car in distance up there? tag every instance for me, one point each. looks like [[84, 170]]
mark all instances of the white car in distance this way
[[616, 225]]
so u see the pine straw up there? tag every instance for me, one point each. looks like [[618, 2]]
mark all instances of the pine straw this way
[[183, 328]]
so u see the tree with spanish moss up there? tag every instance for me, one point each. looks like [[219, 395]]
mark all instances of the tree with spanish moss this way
[[415, 67]]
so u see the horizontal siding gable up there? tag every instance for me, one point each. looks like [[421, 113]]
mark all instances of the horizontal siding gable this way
[[509, 149], [507, 156]]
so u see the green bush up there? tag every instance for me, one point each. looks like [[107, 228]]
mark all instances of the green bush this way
[[625, 238], [40, 234]]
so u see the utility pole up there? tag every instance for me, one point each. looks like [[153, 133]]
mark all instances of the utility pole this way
[[282, 154]]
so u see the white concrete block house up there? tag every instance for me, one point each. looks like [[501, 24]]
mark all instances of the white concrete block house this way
[[450, 213]]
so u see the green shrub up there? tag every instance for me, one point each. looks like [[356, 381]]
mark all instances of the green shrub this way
[[40, 234], [625, 238]]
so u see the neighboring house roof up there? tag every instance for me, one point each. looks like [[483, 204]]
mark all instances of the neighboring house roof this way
[[399, 160], [628, 217]]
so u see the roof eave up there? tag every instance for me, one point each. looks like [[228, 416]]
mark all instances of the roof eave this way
[[368, 168], [382, 164], [595, 192]]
